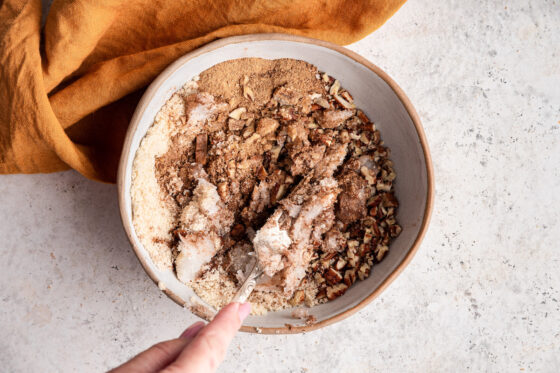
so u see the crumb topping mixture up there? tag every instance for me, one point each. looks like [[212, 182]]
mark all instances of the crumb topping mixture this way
[[272, 157]]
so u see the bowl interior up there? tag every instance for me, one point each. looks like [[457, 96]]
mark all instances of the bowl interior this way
[[372, 94]]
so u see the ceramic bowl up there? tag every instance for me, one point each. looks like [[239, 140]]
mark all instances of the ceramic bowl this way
[[374, 92]]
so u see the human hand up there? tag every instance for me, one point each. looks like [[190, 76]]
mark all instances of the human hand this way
[[201, 348]]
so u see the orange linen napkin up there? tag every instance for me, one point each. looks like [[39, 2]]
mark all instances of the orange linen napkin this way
[[67, 91]]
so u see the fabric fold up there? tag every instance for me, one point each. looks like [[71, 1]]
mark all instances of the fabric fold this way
[[67, 91], [72, 32]]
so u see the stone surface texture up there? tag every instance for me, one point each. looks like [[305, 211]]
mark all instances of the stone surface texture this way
[[482, 294]]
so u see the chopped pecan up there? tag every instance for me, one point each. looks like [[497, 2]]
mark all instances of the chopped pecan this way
[[336, 291], [321, 294], [342, 102], [389, 200], [381, 250], [201, 148], [261, 173], [236, 114], [363, 271], [360, 114], [315, 107], [350, 276], [340, 264], [335, 87], [235, 124], [395, 230], [333, 276], [297, 298], [319, 279], [267, 126], [248, 93], [347, 96], [223, 190]]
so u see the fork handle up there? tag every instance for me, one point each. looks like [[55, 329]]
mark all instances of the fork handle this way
[[248, 285]]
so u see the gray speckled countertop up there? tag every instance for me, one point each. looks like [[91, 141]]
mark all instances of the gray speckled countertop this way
[[482, 294]]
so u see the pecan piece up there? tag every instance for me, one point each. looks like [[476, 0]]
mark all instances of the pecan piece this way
[[267, 126], [363, 271], [261, 173], [335, 88], [333, 276], [336, 291], [381, 250], [321, 294], [201, 148], [236, 114], [347, 96], [389, 200], [374, 201], [395, 230], [248, 93], [341, 263], [342, 102], [298, 298], [350, 276], [360, 114]]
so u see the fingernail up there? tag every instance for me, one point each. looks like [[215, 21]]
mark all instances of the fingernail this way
[[244, 311], [192, 330]]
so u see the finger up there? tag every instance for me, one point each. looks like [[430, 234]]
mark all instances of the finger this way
[[160, 355], [193, 330], [208, 348], [155, 358]]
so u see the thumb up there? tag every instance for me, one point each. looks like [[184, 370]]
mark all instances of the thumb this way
[[208, 348]]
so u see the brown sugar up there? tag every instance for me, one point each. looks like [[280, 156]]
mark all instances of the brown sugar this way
[[227, 80]]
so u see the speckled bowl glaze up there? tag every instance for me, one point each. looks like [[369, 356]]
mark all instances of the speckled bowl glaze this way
[[374, 92]]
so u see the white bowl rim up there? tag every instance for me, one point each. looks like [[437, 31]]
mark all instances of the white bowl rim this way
[[167, 72]]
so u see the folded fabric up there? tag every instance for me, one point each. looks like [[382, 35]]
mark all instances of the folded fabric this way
[[68, 90]]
